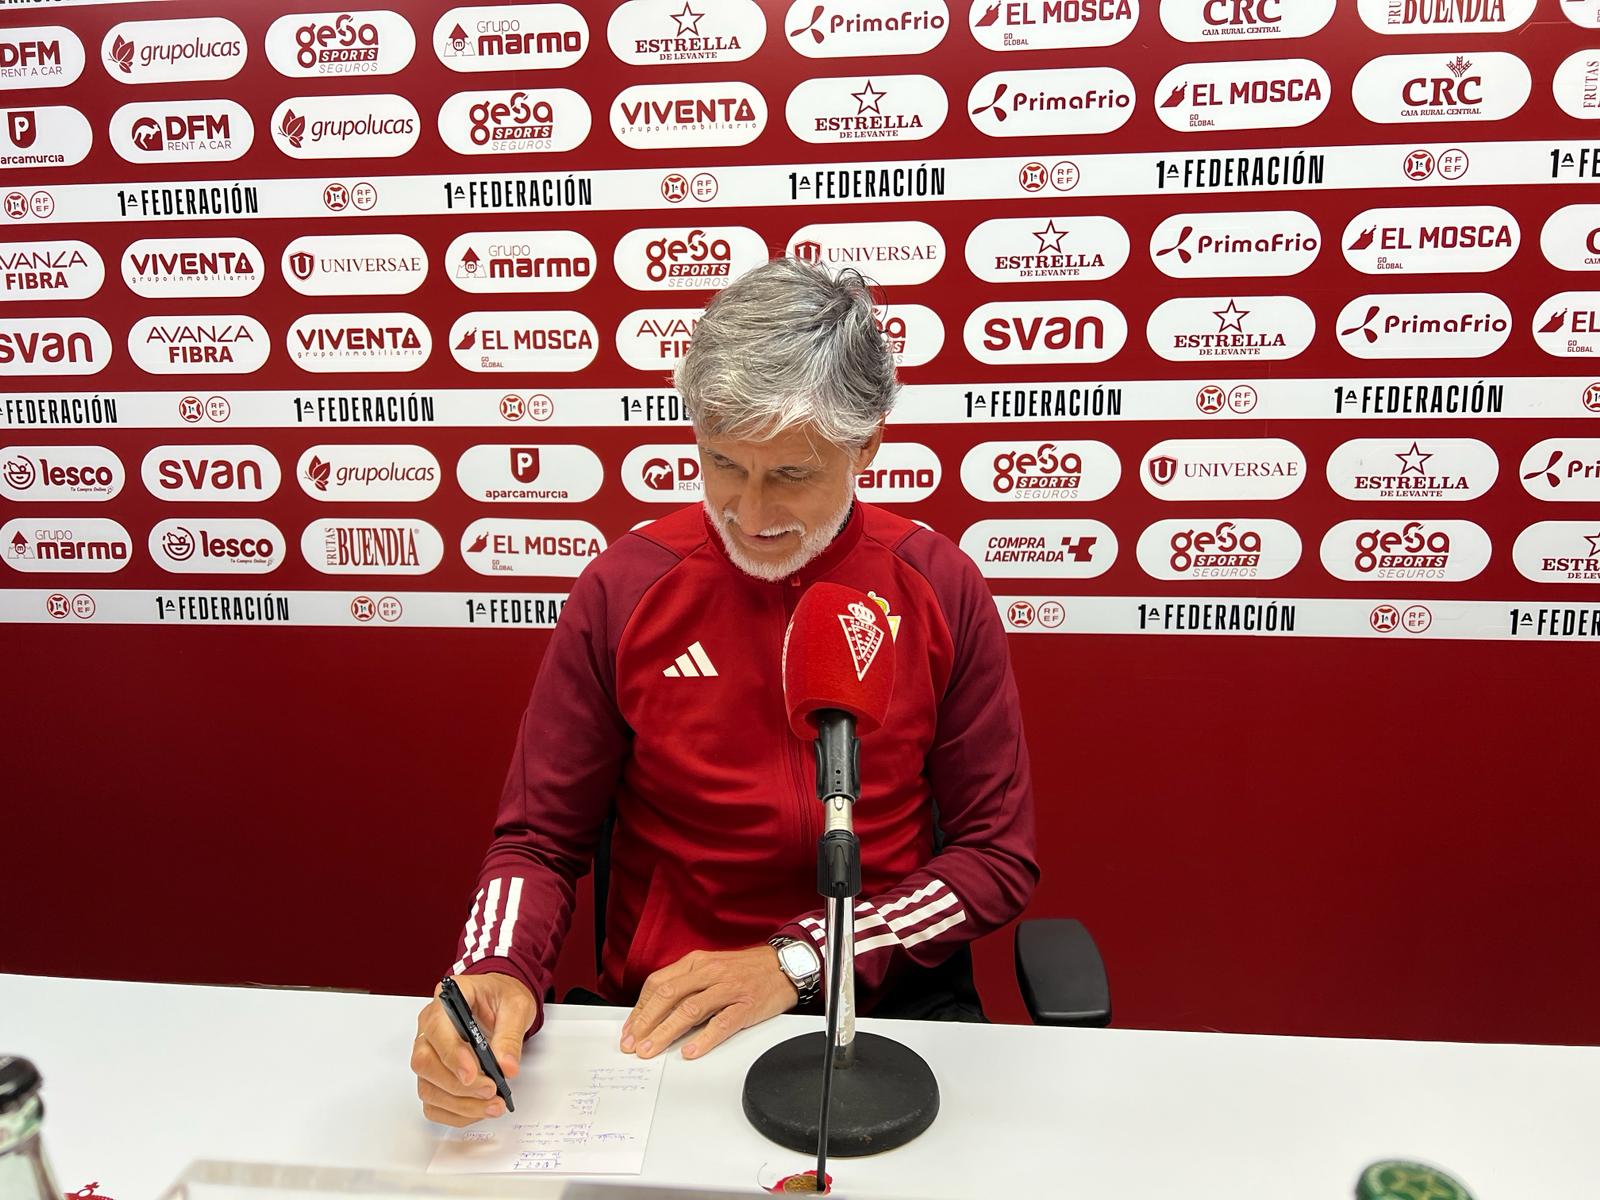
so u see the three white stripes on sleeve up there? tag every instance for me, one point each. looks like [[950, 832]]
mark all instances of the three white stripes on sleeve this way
[[899, 922], [495, 916]]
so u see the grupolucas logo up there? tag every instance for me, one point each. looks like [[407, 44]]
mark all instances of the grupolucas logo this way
[[293, 128], [122, 54], [317, 472]]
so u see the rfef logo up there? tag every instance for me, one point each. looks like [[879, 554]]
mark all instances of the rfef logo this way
[[547, 340], [1051, 24], [77, 545], [178, 51], [56, 270], [34, 473], [380, 341], [1040, 549], [232, 473], [1009, 472], [216, 546], [1219, 548], [1045, 331], [334, 44], [1278, 93], [553, 549], [39, 56], [1466, 238], [195, 266], [647, 33], [1024, 249], [511, 37], [53, 346]]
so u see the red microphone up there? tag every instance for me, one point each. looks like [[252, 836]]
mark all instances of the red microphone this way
[[838, 658]]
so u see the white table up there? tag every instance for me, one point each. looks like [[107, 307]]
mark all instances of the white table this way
[[141, 1079]]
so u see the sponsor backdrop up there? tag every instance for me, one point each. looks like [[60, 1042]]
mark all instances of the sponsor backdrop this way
[[1250, 349]]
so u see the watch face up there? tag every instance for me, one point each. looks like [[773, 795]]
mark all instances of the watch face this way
[[799, 960]]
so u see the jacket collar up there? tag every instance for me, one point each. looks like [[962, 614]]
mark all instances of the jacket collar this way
[[832, 555]]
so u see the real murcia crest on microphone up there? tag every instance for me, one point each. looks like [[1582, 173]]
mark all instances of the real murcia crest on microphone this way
[[862, 634]]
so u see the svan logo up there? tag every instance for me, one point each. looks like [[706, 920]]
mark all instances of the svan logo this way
[[53, 346], [1045, 331], [233, 473]]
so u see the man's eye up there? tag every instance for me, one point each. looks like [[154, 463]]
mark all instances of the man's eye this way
[[794, 476]]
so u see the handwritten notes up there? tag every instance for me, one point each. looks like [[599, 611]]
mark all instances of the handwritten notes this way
[[583, 1108]]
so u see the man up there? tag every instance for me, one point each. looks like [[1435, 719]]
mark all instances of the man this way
[[660, 699]]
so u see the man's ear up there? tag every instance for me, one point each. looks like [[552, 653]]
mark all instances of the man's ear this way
[[868, 452]]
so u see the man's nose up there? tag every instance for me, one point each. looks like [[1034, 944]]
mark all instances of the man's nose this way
[[751, 507]]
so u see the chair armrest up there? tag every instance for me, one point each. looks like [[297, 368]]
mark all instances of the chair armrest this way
[[1062, 977]]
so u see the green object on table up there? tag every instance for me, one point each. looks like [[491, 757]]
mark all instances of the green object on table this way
[[1393, 1179]]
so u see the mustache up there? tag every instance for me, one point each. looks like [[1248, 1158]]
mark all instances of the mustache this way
[[729, 518]]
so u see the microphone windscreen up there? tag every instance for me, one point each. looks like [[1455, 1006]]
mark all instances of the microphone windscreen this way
[[838, 652]]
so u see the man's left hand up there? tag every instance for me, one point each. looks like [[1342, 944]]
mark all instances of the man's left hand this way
[[724, 990]]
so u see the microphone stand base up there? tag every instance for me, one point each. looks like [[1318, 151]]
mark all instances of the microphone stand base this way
[[883, 1100]]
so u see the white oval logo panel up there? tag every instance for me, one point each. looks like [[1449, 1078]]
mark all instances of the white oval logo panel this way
[[216, 546], [900, 473], [371, 546], [1211, 548], [1212, 245], [1482, 86], [181, 131], [332, 44], [1424, 325], [1397, 468], [554, 549], [1570, 238], [687, 257], [511, 37], [1045, 331], [355, 264], [860, 108], [914, 332], [64, 270], [1559, 552], [662, 474], [655, 339], [234, 473], [1040, 549], [1433, 240], [176, 51], [1568, 325], [1193, 328], [383, 126], [1562, 469], [192, 266], [1444, 16], [864, 29], [60, 473], [1040, 470], [52, 136], [53, 346], [362, 473], [1447, 551], [200, 344], [514, 122], [1024, 249], [1279, 93], [86, 545], [1065, 100], [517, 474], [646, 33], [1223, 469], [555, 340], [1215, 21], [1574, 85], [39, 56], [886, 251], [1064, 25], [514, 260], [650, 115], [379, 341]]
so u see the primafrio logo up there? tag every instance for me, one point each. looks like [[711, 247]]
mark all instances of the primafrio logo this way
[[1219, 548], [48, 136], [913, 332], [551, 340], [39, 56], [359, 473], [1577, 85], [1559, 552], [1223, 469], [1040, 549], [1446, 551], [1277, 93], [887, 251], [381, 126], [662, 474], [1465, 238], [1066, 100], [521, 121], [650, 115], [1397, 468], [1244, 20], [60, 473], [1051, 24], [863, 108], [363, 264], [1024, 249], [181, 131], [1213, 245], [1562, 469], [1570, 239], [687, 257], [1424, 325], [1481, 86], [1230, 327], [1045, 331], [1445, 16], [900, 473], [376, 341], [203, 343], [53, 346], [1568, 325], [216, 546], [371, 546], [232, 473], [511, 37], [55, 270], [515, 260], [1018, 471], [863, 28], [656, 339], [80, 545], [179, 51], [334, 44], [552, 549], [518, 474], [645, 33], [191, 266]]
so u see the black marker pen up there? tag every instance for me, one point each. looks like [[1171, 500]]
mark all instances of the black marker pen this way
[[461, 1017]]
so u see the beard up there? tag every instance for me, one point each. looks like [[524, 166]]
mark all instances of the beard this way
[[812, 542]]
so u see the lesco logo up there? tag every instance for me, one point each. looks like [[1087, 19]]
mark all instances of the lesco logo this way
[[1218, 548], [362, 473], [510, 37], [335, 44], [1193, 328], [1562, 469], [649, 115], [1577, 85], [1222, 469], [661, 474], [1244, 20], [515, 260], [203, 343], [1559, 552], [861, 108], [861, 28], [549, 340], [519, 121], [886, 251], [56, 270], [233, 473], [371, 546], [1024, 249], [647, 33], [553, 549], [192, 266], [655, 339], [80, 545], [1424, 325], [1445, 551], [1066, 100], [384, 126], [1570, 239], [1043, 25], [687, 257], [53, 346], [1214, 245], [1568, 325], [1401, 468], [39, 56], [60, 473], [216, 546], [1482, 86], [49, 136], [914, 332], [1444, 16], [517, 474], [179, 51], [1040, 549], [378, 341], [1006, 472], [362, 264], [1455, 239], [900, 473], [181, 131], [1277, 93], [1045, 331]]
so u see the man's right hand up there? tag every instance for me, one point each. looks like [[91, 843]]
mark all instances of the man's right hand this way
[[452, 1087]]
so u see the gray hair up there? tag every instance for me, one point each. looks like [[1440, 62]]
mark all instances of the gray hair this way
[[787, 343]]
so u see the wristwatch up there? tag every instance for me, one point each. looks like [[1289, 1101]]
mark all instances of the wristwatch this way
[[801, 964]]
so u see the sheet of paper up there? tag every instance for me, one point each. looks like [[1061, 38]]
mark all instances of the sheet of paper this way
[[583, 1108]]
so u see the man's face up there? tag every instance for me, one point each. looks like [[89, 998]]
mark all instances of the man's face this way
[[778, 503]]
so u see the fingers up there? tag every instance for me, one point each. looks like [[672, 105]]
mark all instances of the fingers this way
[[446, 1052], [440, 1105], [721, 1027], [692, 1010], [662, 991]]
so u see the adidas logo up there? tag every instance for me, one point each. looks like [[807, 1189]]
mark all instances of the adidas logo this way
[[692, 664]]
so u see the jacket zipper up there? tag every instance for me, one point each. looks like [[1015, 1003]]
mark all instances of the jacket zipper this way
[[808, 811]]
